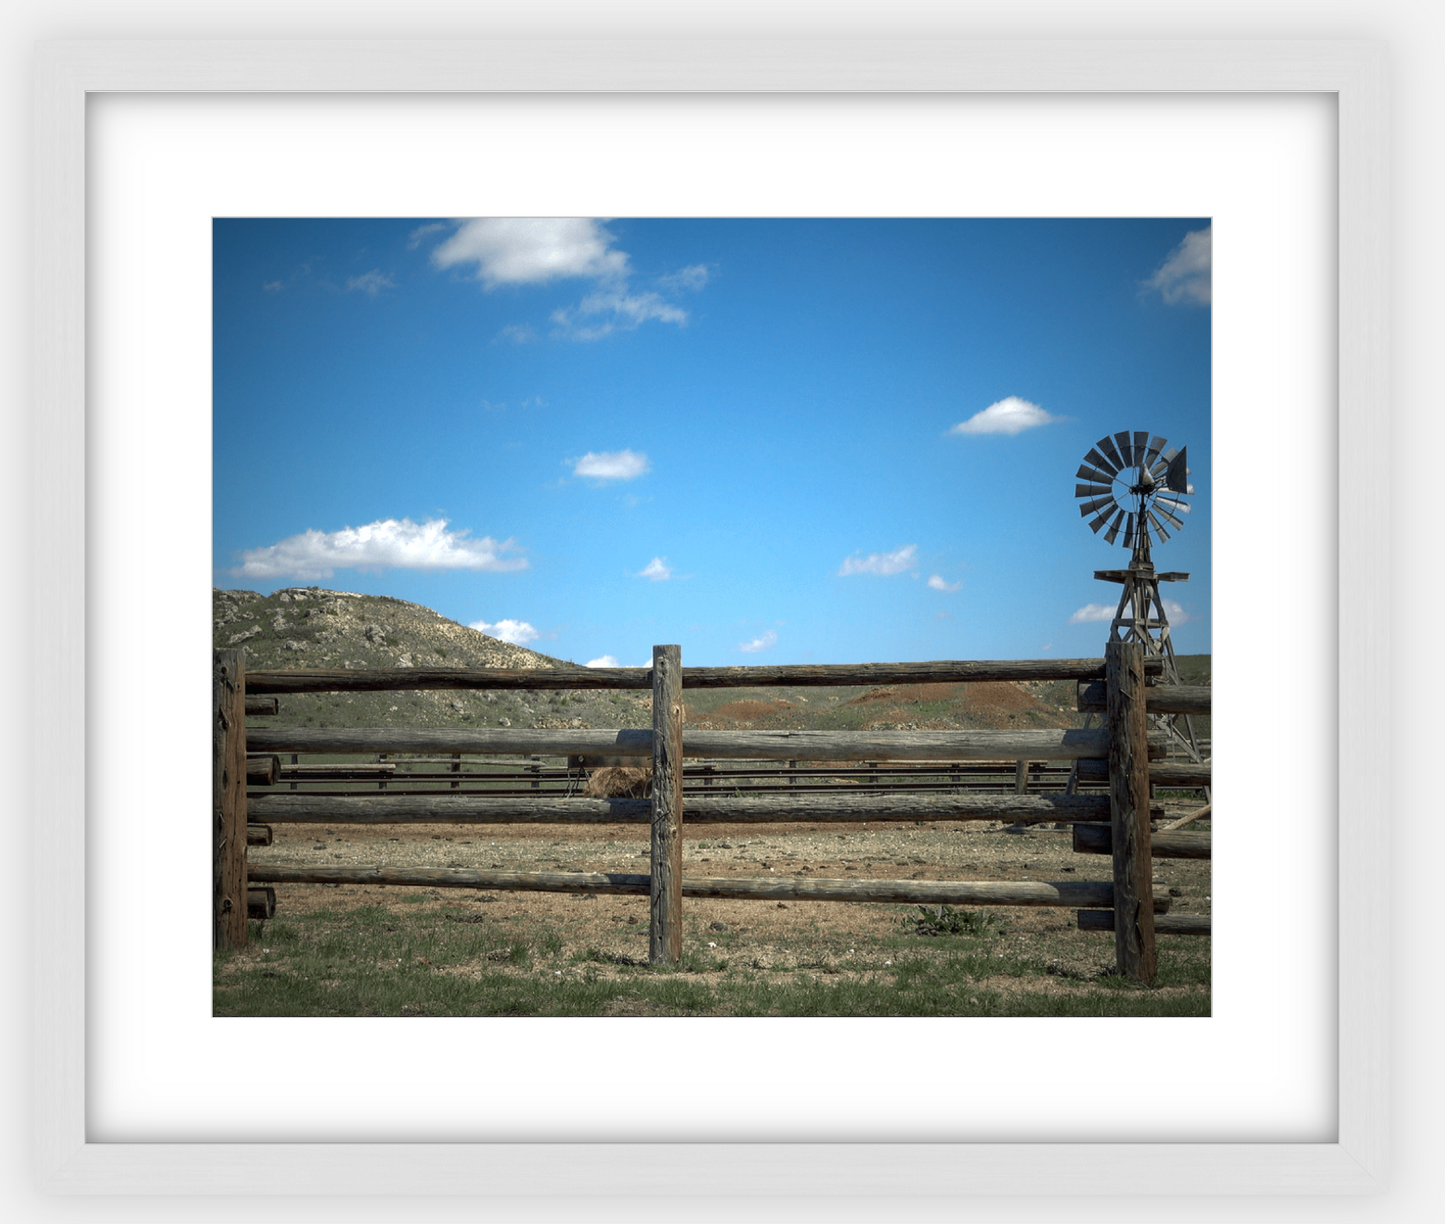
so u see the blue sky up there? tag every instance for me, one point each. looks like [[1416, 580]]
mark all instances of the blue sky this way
[[770, 441]]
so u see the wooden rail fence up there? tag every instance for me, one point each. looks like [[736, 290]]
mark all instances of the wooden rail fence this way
[[1117, 823]]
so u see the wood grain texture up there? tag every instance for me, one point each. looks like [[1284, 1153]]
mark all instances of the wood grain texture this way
[[262, 770], [1043, 745], [1161, 773], [1164, 924], [1158, 699], [664, 941], [1099, 839], [1128, 724], [290, 807], [228, 799], [1064, 893]]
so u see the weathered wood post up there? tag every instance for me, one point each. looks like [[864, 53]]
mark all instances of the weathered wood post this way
[[1128, 725], [228, 799], [664, 945]]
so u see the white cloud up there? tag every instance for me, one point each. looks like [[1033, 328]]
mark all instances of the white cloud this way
[[1105, 612], [621, 311], [605, 661], [519, 633], [769, 638], [413, 239], [691, 278], [517, 333], [1008, 416], [938, 584], [880, 563], [612, 465], [657, 570], [1187, 275], [384, 544], [532, 250], [371, 283], [529, 251]]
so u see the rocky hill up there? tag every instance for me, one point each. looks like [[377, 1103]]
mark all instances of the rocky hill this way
[[312, 627]]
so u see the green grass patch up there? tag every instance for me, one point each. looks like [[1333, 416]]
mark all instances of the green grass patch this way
[[457, 960]]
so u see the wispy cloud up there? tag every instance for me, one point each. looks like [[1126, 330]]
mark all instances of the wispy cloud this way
[[614, 311], [657, 570], [517, 333], [762, 642], [413, 239], [517, 632], [384, 544], [1187, 275], [273, 286], [611, 465], [370, 283], [1011, 415], [938, 584], [1105, 612], [880, 563], [690, 279]]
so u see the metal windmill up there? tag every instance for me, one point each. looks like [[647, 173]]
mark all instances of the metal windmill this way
[[1134, 485]]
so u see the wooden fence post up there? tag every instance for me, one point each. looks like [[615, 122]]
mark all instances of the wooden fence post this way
[[1128, 726], [664, 945], [228, 799]]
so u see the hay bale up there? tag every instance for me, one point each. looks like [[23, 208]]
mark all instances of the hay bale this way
[[620, 782]]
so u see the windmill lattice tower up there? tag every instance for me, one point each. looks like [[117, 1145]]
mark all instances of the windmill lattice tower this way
[[1134, 485]]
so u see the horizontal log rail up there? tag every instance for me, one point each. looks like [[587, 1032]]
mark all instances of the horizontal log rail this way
[[1158, 698], [1099, 839], [1067, 893], [693, 773], [1164, 924], [442, 808], [262, 770], [1161, 773], [1047, 745], [693, 791], [343, 680]]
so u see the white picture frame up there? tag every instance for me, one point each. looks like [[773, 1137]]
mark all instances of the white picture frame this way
[[1354, 72]]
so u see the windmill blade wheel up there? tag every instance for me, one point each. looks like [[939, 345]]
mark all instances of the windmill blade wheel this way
[[1135, 481]]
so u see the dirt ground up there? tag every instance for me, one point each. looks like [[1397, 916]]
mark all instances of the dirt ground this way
[[765, 934]]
